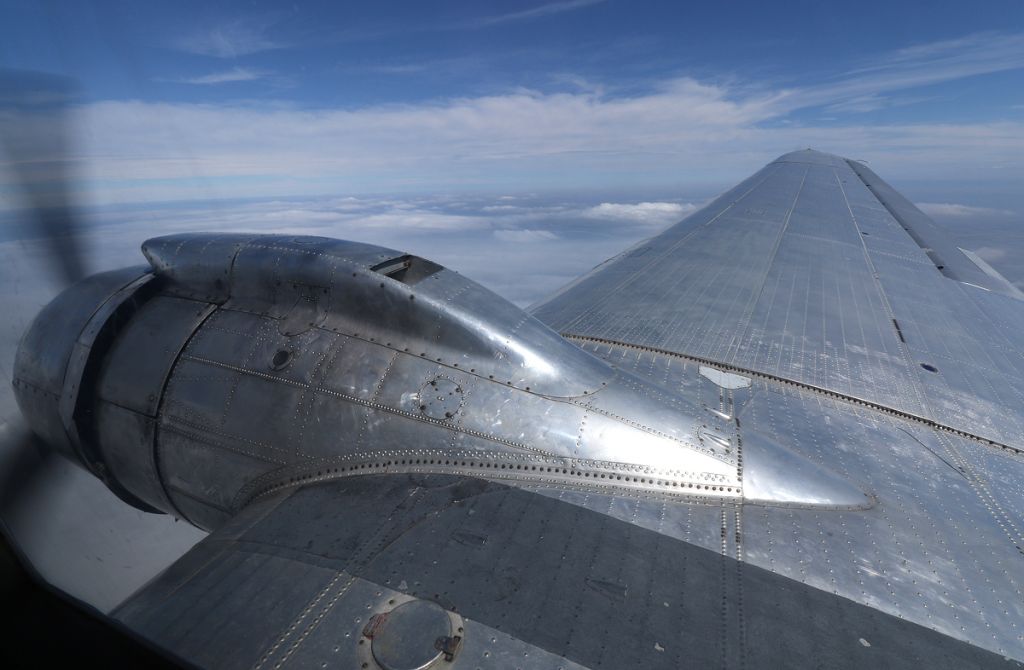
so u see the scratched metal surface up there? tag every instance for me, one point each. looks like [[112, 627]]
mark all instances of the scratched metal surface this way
[[941, 548], [800, 272]]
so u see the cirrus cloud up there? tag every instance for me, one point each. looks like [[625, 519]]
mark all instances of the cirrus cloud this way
[[674, 131], [223, 77]]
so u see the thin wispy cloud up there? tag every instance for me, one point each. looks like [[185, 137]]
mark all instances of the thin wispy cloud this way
[[378, 32], [232, 39], [874, 102], [540, 11], [913, 67], [223, 77], [675, 130], [975, 53], [428, 66], [525, 140]]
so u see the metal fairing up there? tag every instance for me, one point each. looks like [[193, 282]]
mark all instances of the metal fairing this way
[[316, 366], [742, 443]]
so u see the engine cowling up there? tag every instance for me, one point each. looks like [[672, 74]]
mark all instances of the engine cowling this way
[[238, 365]]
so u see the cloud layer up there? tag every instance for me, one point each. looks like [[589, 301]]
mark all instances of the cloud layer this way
[[681, 130], [523, 252]]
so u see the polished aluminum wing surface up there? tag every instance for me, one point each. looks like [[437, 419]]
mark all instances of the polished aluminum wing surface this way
[[817, 273], [786, 432]]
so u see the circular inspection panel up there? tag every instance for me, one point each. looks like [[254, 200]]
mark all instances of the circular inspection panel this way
[[407, 638], [440, 398]]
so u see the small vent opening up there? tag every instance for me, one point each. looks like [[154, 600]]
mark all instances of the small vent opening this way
[[407, 269], [281, 359], [899, 331]]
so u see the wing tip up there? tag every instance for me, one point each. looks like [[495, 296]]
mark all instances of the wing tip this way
[[810, 156]]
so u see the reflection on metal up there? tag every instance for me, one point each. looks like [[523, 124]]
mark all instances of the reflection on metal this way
[[714, 440], [774, 475], [1007, 286]]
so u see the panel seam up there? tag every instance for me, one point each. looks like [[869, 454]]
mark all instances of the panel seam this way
[[767, 376]]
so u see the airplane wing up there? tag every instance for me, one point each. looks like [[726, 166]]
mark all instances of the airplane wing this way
[[817, 273], [786, 433]]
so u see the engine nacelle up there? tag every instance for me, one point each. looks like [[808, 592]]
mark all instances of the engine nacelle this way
[[239, 365]]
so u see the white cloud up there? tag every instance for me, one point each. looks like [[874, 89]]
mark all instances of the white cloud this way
[[362, 214], [873, 102], [224, 76], [230, 40], [523, 256], [683, 131], [525, 235], [502, 209], [859, 90], [677, 131], [953, 210], [419, 220], [648, 213], [976, 53]]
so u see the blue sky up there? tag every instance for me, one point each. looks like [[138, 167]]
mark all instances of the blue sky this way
[[212, 99], [330, 55], [598, 117]]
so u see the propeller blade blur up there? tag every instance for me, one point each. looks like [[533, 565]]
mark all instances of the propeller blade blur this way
[[36, 136]]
